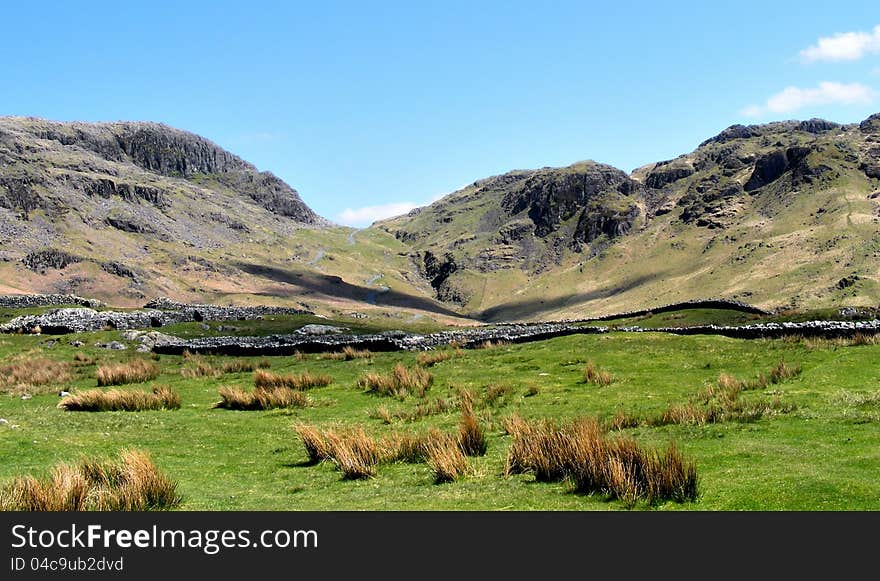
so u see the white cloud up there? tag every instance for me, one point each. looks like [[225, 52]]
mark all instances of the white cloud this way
[[368, 214], [844, 46], [827, 93]]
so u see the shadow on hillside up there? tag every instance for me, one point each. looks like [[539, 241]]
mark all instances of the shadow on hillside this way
[[334, 286], [525, 309]]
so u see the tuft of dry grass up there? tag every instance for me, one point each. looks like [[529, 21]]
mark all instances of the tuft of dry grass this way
[[618, 468], [269, 381], [596, 376], [401, 382], [496, 392], [96, 400], [532, 390], [348, 353], [383, 413], [205, 369], [471, 436], [233, 398], [431, 358], [80, 359], [314, 441], [492, 344], [133, 483], [407, 447], [446, 459], [354, 453], [33, 375], [622, 420], [134, 371], [862, 339]]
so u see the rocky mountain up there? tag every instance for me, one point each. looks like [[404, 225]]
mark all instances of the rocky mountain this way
[[784, 214], [778, 215], [125, 212]]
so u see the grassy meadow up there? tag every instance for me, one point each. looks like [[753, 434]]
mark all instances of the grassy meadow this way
[[806, 438]]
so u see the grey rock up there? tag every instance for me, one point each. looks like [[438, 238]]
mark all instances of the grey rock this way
[[320, 330]]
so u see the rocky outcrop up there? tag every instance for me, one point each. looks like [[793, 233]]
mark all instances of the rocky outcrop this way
[[554, 196], [668, 172], [153, 147], [770, 167], [49, 259]]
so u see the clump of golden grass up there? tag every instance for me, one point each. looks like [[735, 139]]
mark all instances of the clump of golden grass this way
[[471, 437], [82, 360], [622, 420], [514, 424], [401, 382], [862, 339], [133, 483], [407, 447], [134, 371], [491, 344], [269, 381], [617, 468], [201, 369], [495, 392], [431, 358], [382, 413], [532, 390], [446, 459], [597, 376], [348, 353], [33, 375], [782, 371], [96, 400], [233, 398], [316, 444], [354, 453]]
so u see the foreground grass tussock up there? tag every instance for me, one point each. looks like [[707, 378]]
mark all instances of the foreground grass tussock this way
[[348, 353], [354, 453], [133, 483], [33, 375], [596, 376], [268, 381], [618, 468], [432, 358], [134, 371], [96, 400], [446, 459], [401, 382], [234, 398], [471, 437]]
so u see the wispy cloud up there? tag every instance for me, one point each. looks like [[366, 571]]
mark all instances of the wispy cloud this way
[[368, 214], [827, 93], [844, 46]]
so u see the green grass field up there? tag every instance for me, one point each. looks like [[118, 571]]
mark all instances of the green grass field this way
[[822, 455]]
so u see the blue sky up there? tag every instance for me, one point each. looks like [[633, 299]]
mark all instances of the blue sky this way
[[372, 108]]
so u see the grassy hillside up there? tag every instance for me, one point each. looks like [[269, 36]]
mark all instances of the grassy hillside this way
[[806, 442]]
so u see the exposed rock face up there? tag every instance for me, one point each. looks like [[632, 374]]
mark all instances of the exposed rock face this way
[[153, 147], [552, 197], [667, 172], [772, 166]]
